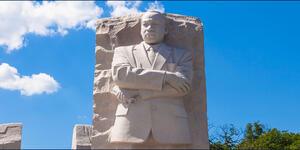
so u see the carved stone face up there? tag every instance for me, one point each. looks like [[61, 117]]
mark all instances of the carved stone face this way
[[153, 27]]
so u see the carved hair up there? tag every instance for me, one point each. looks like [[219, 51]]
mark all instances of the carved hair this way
[[156, 12]]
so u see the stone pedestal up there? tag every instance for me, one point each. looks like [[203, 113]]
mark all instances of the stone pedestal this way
[[81, 137], [10, 136]]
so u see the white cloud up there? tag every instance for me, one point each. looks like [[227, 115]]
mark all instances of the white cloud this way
[[156, 6], [43, 18], [123, 7], [28, 85], [131, 7]]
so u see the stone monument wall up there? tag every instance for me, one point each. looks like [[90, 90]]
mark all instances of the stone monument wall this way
[[184, 32], [10, 136], [81, 137]]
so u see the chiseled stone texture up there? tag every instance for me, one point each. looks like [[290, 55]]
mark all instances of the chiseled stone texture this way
[[10, 136], [81, 137], [184, 32]]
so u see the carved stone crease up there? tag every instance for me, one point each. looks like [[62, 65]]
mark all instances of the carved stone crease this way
[[10, 136], [121, 35]]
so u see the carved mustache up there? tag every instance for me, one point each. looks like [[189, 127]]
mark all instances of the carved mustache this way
[[150, 32]]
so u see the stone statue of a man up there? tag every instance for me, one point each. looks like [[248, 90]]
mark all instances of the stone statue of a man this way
[[151, 79]]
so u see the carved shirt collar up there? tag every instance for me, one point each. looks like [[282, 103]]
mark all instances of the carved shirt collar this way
[[155, 47]]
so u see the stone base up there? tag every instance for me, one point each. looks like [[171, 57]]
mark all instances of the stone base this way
[[10, 136], [81, 137]]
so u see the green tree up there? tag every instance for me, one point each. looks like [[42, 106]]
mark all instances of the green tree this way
[[256, 136], [275, 139], [260, 138], [228, 137], [252, 132]]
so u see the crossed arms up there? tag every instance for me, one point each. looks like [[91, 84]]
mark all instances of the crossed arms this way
[[146, 83]]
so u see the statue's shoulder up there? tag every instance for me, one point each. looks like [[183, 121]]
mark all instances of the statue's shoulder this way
[[179, 51], [124, 48]]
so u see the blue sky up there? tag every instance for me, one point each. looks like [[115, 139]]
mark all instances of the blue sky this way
[[251, 58]]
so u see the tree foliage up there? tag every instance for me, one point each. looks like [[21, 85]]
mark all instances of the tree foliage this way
[[228, 136], [256, 136]]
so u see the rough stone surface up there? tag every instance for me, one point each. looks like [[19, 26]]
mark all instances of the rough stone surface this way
[[10, 136], [184, 32], [81, 137]]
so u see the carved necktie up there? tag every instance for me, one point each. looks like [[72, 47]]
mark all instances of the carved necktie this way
[[151, 54]]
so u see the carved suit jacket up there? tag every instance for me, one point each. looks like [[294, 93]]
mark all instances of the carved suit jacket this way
[[159, 108]]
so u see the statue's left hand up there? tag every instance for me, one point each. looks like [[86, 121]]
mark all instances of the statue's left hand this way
[[177, 81]]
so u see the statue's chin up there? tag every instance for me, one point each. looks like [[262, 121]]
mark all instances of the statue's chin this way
[[152, 41]]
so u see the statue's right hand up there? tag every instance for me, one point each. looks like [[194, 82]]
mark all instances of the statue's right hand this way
[[125, 99], [125, 95], [177, 81]]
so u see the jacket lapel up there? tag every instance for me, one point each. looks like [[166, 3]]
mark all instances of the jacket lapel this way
[[161, 57], [141, 56]]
